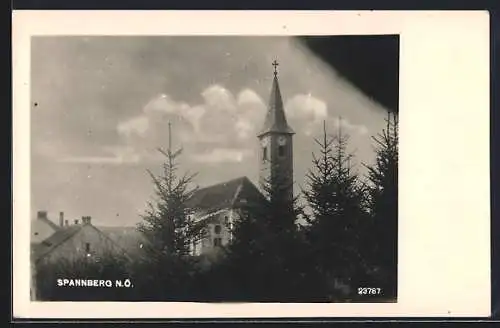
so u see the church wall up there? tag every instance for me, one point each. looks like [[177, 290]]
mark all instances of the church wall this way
[[218, 232]]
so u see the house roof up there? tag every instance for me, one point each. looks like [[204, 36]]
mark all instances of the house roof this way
[[56, 239], [128, 238], [229, 194], [59, 237]]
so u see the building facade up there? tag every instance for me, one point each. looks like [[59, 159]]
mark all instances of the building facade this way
[[217, 208]]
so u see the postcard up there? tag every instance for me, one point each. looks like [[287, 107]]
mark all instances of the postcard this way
[[244, 164]]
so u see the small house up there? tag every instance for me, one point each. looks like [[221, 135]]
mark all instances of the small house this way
[[76, 241]]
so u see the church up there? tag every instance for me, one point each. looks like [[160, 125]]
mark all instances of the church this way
[[217, 205]]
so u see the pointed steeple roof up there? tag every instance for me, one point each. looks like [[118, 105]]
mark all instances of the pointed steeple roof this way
[[275, 118]]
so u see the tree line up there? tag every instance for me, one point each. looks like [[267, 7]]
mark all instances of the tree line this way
[[338, 245]]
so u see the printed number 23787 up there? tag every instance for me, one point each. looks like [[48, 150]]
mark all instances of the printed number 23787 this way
[[369, 291]]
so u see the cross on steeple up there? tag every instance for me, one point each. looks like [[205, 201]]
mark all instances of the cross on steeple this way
[[275, 64], [275, 121]]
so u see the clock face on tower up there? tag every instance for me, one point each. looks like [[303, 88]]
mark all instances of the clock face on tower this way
[[264, 142], [282, 141]]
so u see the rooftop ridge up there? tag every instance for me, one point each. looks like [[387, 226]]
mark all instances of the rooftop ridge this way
[[234, 180], [221, 195]]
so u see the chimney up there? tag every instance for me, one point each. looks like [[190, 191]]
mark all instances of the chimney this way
[[42, 214], [76, 221], [61, 219], [66, 223]]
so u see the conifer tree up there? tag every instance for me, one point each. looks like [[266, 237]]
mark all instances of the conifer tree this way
[[336, 198], [265, 238], [168, 222], [246, 257], [383, 204], [285, 244], [170, 229]]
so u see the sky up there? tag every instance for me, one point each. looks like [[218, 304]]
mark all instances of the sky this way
[[101, 107]]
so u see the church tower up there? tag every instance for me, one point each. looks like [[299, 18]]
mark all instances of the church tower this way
[[276, 144]]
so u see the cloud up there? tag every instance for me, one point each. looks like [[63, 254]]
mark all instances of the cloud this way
[[211, 121], [138, 125], [213, 131], [248, 96], [309, 112], [345, 124], [216, 129], [163, 106], [220, 155], [218, 97], [306, 107], [251, 109], [244, 128], [306, 111], [220, 120]]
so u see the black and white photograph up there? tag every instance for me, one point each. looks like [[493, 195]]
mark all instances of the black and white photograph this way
[[214, 168], [235, 164]]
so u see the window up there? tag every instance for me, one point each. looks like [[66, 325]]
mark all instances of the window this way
[[87, 247], [36, 233], [281, 151], [226, 220], [217, 242], [217, 229], [264, 154]]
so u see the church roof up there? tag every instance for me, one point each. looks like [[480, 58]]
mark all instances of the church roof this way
[[275, 120], [229, 194]]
